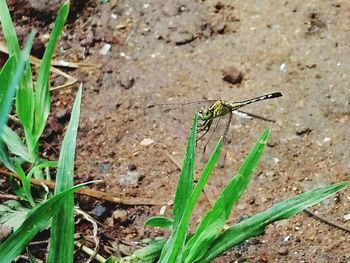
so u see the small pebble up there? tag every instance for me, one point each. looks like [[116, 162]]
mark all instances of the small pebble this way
[[162, 210], [232, 75], [182, 38], [99, 211], [132, 167], [303, 130], [104, 50], [104, 168], [283, 251], [130, 179], [346, 217], [286, 238], [120, 215], [126, 81], [62, 115], [146, 141], [326, 139]]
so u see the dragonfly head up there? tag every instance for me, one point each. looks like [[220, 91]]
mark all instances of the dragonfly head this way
[[205, 114]]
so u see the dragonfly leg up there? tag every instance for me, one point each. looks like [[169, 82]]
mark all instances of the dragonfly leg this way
[[202, 124], [205, 130], [223, 159], [211, 134]]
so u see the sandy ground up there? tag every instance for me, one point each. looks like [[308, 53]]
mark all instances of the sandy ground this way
[[175, 51]]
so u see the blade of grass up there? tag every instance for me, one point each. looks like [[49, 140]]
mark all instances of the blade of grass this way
[[6, 99], [14, 49], [12, 214], [148, 254], [213, 222], [42, 92], [173, 253], [9, 30], [25, 109], [6, 76], [15, 144], [36, 220], [62, 228], [256, 224], [185, 184], [25, 183], [159, 221]]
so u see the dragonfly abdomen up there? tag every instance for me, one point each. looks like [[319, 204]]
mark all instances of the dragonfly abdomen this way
[[237, 105]]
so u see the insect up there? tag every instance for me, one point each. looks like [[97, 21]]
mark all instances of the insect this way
[[217, 110], [220, 108]]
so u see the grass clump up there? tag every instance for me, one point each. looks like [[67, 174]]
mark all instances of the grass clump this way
[[211, 239]]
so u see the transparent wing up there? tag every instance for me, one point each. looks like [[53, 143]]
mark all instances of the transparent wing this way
[[166, 107]]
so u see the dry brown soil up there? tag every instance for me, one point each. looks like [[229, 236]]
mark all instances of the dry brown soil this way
[[174, 51]]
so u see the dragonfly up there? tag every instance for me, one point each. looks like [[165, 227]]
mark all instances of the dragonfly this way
[[216, 110], [220, 108]]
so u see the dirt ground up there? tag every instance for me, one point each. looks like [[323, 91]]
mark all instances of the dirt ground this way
[[175, 51]]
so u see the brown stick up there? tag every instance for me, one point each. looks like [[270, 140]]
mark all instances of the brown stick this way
[[92, 193]]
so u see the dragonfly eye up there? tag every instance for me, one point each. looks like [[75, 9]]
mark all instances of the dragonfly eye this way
[[200, 115], [204, 114]]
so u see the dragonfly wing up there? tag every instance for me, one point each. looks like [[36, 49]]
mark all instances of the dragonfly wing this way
[[249, 115], [166, 107]]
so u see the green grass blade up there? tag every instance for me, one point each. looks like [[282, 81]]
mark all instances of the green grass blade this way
[[173, 250], [11, 39], [8, 30], [148, 254], [13, 214], [256, 224], [8, 92], [4, 159], [26, 184], [15, 144], [42, 92], [25, 109], [185, 184], [36, 220], [26, 81], [212, 224], [62, 229], [6, 76], [159, 221]]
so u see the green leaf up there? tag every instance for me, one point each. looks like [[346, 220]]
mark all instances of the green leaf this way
[[185, 184], [12, 214], [212, 224], [256, 224], [42, 92], [159, 221], [26, 184], [4, 158], [8, 92], [31, 257], [148, 254], [8, 30], [172, 251], [62, 229], [15, 144], [6, 76], [25, 109], [16, 187], [36, 220]]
